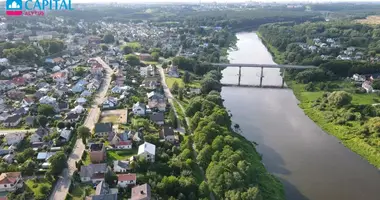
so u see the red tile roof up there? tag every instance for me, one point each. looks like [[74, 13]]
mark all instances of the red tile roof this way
[[121, 143], [18, 80], [9, 177], [126, 177], [58, 75]]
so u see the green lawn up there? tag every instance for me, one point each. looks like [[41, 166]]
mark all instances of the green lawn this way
[[120, 154], [80, 192], [134, 45], [150, 62], [171, 80], [35, 187]]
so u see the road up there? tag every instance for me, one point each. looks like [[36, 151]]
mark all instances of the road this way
[[63, 184], [171, 99]]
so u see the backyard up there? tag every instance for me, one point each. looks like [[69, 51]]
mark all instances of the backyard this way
[[40, 187], [120, 154], [80, 192]]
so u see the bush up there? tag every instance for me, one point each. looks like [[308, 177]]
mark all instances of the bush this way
[[339, 98], [310, 87]]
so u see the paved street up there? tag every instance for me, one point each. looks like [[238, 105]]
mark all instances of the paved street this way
[[61, 188], [4, 132]]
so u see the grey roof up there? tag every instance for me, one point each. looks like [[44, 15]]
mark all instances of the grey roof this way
[[103, 192], [168, 131], [30, 120], [72, 115], [12, 119], [103, 127], [63, 105], [122, 164], [91, 169], [157, 117]]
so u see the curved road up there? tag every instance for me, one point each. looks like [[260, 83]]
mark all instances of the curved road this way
[[63, 184]]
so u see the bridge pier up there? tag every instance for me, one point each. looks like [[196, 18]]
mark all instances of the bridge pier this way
[[261, 76], [283, 77], [239, 78]]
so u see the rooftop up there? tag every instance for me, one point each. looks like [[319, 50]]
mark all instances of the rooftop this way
[[96, 147]]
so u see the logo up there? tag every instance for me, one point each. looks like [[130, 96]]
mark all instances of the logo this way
[[13, 7], [35, 7]]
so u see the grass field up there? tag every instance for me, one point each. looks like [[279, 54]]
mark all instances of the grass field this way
[[120, 154], [170, 81], [36, 185], [134, 45], [150, 62], [80, 192], [372, 20], [112, 118], [363, 146]]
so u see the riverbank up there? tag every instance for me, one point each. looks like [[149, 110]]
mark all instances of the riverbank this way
[[350, 136]]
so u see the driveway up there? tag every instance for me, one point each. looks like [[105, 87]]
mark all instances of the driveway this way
[[63, 184]]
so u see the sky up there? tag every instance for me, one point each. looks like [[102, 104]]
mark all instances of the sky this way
[[218, 1]]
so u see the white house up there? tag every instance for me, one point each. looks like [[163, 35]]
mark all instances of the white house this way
[[14, 138], [56, 68], [27, 101], [139, 109], [48, 100], [10, 181], [78, 109], [4, 62], [81, 101], [110, 102], [120, 166], [125, 180], [148, 151]]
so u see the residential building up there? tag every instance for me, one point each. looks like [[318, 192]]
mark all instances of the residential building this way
[[147, 151], [72, 117], [12, 121], [157, 118], [125, 180], [124, 145], [172, 71], [141, 192], [120, 166], [10, 181], [167, 133], [103, 192], [27, 101], [103, 129], [110, 102], [97, 153], [139, 109], [92, 172]]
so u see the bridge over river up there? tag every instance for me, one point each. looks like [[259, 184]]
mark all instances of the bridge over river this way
[[262, 66]]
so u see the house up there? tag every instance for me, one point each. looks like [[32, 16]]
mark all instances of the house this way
[[9, 158], [41, 72], [81, 101], [92, 172], [12, 121], [141, 192], [172, 71], [9, 73], [4, 62], [27, 101], [195, 91], [97, 69], [72, 117], [125, 180], [167, 133], [148, 151], [150, 85], [65, 135], [124, 145], [158, 118], [139, 109], [110, 102], [145, 57], [78, 109], [86, 93], [367, 86], [157, 104], [48, 100], [56, 68], [29, 121], [103, 192], [63, 106], [59, 77], [77, 88], [103, 129], [21, 111], [15, 94], [39, 134], [155, 96], [97, 153], [358, 78], [120, 166], [44, 156], [10, 181]]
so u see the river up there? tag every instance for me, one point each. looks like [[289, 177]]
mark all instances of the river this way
[[310, 163]]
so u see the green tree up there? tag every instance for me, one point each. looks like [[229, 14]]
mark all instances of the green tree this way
[[180, 93], [110, 177], [208, 84], [42, 120], [175, 87], [173, 118], [84, 133], [104, 47], [127, 49], [204, 191], [165, 65], [79, 71], [108, 38], [60, 125], [155, 55], [339, 98], [44, 109], [57, 163], [28, 167], [186, 77], [132, 59]]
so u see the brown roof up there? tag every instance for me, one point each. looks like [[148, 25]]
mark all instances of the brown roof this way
[[126, 177], [140, 192], [9, 177]]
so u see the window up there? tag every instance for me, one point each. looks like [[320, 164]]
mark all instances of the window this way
[[5, 185]]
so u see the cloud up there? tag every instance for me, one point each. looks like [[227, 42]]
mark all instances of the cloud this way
[[14, 5]]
